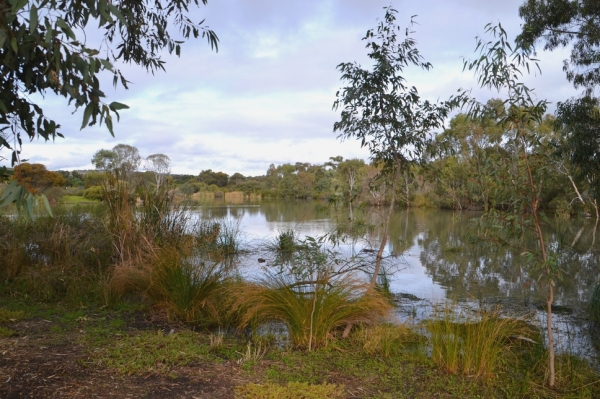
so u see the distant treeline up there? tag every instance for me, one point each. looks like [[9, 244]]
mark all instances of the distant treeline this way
[[462, 172]]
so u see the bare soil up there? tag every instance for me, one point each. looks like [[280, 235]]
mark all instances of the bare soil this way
[[35, 364]]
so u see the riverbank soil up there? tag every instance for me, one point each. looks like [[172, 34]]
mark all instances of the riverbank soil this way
[[134, 352]]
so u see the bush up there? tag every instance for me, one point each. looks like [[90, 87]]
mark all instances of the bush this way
[[94, 193], [55, 259]]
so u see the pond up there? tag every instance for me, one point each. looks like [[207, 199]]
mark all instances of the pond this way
[[439, 258]]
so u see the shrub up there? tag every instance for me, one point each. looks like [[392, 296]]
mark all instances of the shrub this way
[[94, 193], [60, 258]]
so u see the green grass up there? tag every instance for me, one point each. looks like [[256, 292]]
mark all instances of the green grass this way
[[475, 345], [379, 361], [76, 199], [311, 312], [7, 316], [154, 351]]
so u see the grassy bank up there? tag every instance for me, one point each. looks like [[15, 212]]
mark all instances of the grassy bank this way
[[133, 350], [123, 301]]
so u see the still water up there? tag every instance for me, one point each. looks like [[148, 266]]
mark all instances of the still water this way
[[438, 257]]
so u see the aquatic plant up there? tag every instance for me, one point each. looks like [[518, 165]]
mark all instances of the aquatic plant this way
[[285, 241]]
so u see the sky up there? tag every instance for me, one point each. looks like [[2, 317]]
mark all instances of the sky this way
[[266, 96]]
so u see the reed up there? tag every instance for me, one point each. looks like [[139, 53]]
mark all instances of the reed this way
[[56, 259]]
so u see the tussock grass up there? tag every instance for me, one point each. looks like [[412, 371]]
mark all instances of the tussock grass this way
[[475, 345], [189, 288], [285, 241], [311, 313]]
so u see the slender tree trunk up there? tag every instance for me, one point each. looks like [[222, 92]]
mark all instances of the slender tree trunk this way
[[540, 237], [386, 228]]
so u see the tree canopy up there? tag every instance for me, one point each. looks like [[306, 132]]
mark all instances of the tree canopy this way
[[53, 46], [559, 23]]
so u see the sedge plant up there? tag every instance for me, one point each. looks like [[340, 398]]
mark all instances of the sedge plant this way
[[310, 298]]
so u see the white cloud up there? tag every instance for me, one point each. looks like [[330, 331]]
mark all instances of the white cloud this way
[[266, 96]]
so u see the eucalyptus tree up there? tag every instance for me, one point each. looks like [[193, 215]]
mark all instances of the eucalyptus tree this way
[[566, 23], [499, 67], [160, 165], [578, 121], [383, 112], [65, 47], [122, 160]]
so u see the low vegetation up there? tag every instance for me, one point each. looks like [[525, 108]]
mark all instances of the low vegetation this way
[[146, 291]]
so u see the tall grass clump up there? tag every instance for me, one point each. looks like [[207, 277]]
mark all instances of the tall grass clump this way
[[61, 258], [310, 298], [385, 339], [286, 241], [218, 239], [189, 287], [475, 345]]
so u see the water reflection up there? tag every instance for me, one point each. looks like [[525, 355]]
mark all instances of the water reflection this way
[[441, 259]]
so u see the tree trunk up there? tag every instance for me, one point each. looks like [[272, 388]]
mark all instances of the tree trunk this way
[[386, 226]]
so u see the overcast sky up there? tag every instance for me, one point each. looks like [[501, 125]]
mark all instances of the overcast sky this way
[[266, 96]]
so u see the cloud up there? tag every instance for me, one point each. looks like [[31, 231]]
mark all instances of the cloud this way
[[266, 96]]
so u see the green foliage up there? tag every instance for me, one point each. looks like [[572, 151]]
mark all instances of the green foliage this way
[[286, 241], [384, 339], [189, 287], [311, 310], [24, 200], [94, 193], [7, 316], [44, 45], [578, 121], [566, 23], [56, 259], [378, 108], [293, 390], [6, 332], [209, 177]]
